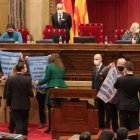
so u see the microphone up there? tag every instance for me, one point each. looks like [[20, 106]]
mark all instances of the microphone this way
[[91, 35]]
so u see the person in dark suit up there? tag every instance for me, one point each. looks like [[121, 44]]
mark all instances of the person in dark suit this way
[[62, 20], [96, 84], [128, 87], [19, 89], [54, 77], [112, 107]]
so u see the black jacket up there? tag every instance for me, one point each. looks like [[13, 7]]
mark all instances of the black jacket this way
[[18, 91], [128, 87], [65, 24], [97, 79]]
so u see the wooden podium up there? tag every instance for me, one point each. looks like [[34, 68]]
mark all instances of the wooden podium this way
[[75, 114]]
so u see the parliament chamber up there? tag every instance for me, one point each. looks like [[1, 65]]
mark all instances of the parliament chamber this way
[[78, 60]]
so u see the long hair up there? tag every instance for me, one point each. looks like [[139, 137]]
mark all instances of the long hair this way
[[55, 58]]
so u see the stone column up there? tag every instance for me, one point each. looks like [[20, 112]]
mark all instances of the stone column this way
[[37, 16], [3, 15]]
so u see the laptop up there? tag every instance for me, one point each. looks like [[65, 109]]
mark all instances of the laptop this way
[[7, 41], [84, 39], [45, 41], [123, 42]]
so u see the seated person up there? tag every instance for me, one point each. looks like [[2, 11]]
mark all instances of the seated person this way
[[132, 34], [11, 34], [122, 133]]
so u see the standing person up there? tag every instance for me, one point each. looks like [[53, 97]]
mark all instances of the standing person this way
[[112, 107], [133, 34], [12, 34], [128, 87], [19, 89], [11, 121], [62, 20], [54, 77], [96, 84], [40, 96]]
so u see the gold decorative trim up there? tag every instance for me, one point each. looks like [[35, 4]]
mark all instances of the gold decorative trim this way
[[51, 9]]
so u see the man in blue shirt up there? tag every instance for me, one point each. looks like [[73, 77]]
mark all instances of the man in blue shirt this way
[[11, 34]]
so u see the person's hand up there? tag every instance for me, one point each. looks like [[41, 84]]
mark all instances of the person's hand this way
[[26, 57], [111, 65], [35, 82], [16, 42], [21, 56], [49, 55], [3, 78], [9, 108]]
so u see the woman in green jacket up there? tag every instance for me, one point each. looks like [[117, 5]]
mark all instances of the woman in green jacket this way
[[54, 77]]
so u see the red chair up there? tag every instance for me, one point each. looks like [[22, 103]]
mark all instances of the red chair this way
[[119, 33], [49, 32], [24, 32], [95, 31], [48, 27], [93, 24]]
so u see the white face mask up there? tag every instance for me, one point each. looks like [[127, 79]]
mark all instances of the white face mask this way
[[59, 11], [138, 30], [96, 62]]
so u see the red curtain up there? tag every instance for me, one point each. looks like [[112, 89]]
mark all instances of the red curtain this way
[[114, 14]]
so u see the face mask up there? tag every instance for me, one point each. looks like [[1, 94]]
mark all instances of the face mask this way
[[96, 62], [10, 33], [120, 68], [138, 30], [59, 11]]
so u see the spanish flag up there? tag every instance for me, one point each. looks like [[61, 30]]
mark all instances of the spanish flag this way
[[68, 8], [80, 14]]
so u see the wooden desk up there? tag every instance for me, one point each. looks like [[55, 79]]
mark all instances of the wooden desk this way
[[78, 58], [0, 100], [73, 116]]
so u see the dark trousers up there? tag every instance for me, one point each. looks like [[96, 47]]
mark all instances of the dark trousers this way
[[21, 118], [41, 105], [111, 116], [114, 116], [12, 124], [101, 113], [129, 119]]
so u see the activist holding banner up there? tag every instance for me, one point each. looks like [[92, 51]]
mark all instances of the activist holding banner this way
[[18, 93], [96, 84], [8, 65], [37, 66], [54, 77], [128, 87], [110, 73], [11, 34]]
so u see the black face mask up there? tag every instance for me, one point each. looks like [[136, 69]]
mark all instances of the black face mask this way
[[10, 34], [120, 68]]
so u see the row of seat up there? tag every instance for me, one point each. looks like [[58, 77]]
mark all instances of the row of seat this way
[[91, 29]]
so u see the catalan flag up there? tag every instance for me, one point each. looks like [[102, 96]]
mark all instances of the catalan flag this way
[[68, 8], [80, 14]]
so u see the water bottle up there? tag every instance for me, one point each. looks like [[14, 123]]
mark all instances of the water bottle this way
[[106, 40], [134, 40], [28, 39], [60, 40]]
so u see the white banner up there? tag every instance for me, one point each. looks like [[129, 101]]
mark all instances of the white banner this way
[[107, 90]]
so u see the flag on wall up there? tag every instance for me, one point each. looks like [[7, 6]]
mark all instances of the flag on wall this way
[[80, 14], [68, 8]]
